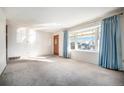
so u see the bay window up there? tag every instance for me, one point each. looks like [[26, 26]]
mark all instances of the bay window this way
[[85, 39]]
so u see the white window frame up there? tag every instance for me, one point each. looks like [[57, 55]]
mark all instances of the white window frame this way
[[97, 36]]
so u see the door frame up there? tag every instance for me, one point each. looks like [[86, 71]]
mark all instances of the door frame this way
[[54, 45], [6, 43]]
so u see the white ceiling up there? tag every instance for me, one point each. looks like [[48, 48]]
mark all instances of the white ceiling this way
[[54, 18]]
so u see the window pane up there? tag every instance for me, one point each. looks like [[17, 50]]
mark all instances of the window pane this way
[[72, 42], [21, 35], [72, 45], [86, 42], [87, 39]]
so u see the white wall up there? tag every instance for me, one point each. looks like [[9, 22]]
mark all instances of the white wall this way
[[42, 44], [2, 41], [92, 57], [60, 33], [85, 56], [122, 38], [122, 34]]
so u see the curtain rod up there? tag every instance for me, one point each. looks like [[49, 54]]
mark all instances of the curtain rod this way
[[117, 14], [100, 19], [112, 15], [120, 13]]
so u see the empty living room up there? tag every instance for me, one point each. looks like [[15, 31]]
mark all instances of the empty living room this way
[[61, 46]]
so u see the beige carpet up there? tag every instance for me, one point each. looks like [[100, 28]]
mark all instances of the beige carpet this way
[[56, 71]]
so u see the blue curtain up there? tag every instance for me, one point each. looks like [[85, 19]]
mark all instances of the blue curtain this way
[[110, 55], [65, 44]]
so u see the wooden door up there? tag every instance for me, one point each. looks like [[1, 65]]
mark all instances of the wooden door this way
[[56, 45]]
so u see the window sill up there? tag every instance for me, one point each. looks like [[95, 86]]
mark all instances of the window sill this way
[[86, 51]]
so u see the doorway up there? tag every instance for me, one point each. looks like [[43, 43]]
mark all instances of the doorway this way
[[56, 45]]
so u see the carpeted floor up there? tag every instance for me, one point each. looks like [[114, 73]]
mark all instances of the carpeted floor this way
[[56, 71]]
